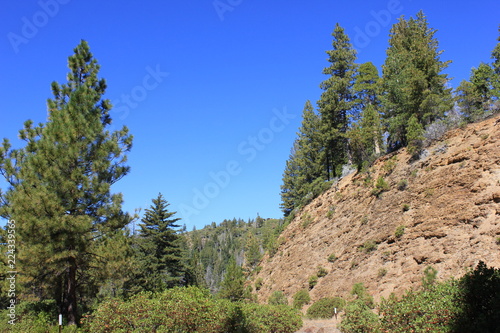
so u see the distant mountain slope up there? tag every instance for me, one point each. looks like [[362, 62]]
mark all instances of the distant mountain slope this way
[[448, 203]]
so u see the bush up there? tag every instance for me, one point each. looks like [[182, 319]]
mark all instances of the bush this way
[[332, 257], [368, 246], [321, 272], [325, 308], [189, 309], [431, 310], [380, 186], [402, 184], [259, 283], [301, 298], [358, 318], [359, 290], [259, 318], [400, 231], [313, 281], [278, 298]]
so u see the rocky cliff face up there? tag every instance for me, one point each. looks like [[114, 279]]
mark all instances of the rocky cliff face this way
[[448, 203]]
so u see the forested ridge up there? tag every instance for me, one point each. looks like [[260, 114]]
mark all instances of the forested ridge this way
[[71, 249]]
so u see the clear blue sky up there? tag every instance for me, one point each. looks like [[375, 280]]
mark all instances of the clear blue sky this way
[[212, 91]]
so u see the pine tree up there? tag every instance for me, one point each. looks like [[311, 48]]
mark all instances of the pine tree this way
[[162, 262], [232, 286], [412, 79], [59, 191], [415, 136], [367, 86], [476, 96], [289, 193], [308, 151], [336, 104], [365, 137], [495, 55]]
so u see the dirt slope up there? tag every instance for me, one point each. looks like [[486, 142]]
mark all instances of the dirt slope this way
[[450, 209]]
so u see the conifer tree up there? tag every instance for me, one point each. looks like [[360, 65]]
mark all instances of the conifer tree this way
[[412, 78], [367, 86], [59, 188], [365, 138], [495, 55], [336, 104], [308, 151], [162, 263], [232, 286], [476, 96], [289, 193]]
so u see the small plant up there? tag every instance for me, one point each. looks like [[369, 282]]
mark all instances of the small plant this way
[[414, 173], [259, 283], [399, 231], [330, 213], [277, 298], [402, 184], [381, 272], [306, 220], [301, 298], [497, 241], [364, 220], [321, 272], [430, 275], [332, 257], [390, 165], [428, 192], [368, 246], [405, 207], [354, 264], [313, 281], [380, 186]]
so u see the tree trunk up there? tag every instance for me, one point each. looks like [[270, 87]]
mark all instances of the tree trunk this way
[[71, 305]]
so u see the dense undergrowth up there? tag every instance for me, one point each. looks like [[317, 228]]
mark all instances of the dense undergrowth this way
[[186, 309]]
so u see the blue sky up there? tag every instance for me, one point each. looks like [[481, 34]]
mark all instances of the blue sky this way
[[212, 91]]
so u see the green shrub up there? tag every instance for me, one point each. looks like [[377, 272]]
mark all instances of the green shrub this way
[[325, 307], [382, 272], [359, 290], [321, 272], [187, 309], [497, 241], [306, 220], [332, 257], [277, 298], [431, 310], [380, 186], [402, 184], [430, 275], [330, 213], [301, 298], [260, 318], [313, 281], [368, 246], [405, 207], [358, 318], [399, 231], [259, 283]]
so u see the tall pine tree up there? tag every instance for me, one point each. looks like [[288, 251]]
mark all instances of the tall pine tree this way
[[59, 191], [412, 78], [161, 258], [336, 104]]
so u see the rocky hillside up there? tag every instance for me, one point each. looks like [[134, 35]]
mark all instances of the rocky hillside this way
[[442, 210]]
